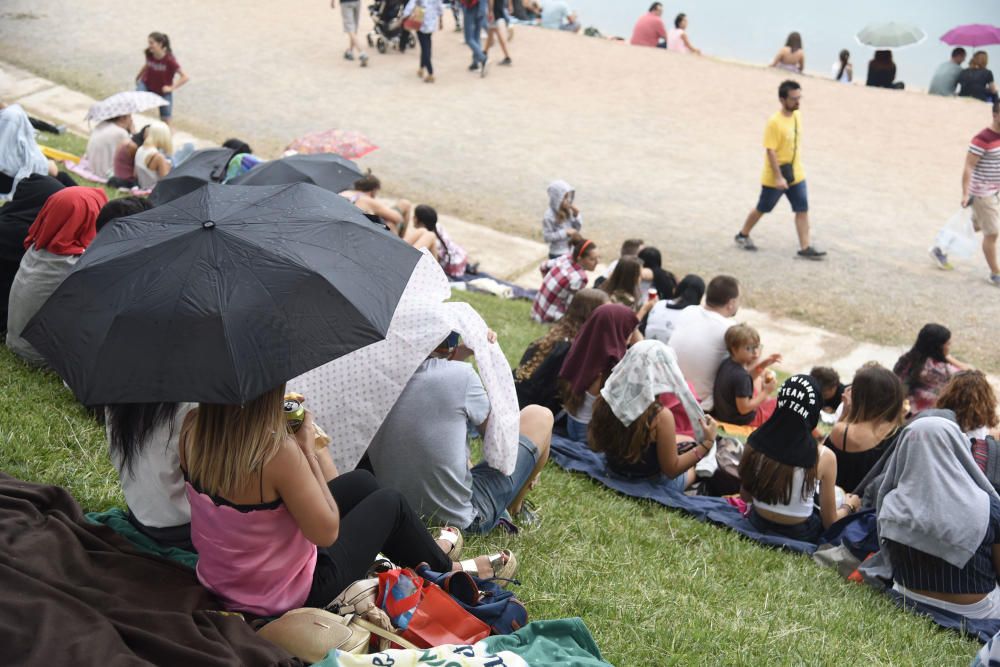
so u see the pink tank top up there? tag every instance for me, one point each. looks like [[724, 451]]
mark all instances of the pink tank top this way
[[255, 558]]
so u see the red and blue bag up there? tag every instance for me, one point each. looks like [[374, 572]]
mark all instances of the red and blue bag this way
[[423, 613], [483, 598]]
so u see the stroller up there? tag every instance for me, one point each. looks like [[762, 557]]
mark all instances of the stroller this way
[[388, 31]]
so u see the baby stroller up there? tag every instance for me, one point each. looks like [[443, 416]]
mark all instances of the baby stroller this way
[[388, 31]]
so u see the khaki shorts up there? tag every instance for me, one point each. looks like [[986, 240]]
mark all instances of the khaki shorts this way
[[986, 214], [350, 11]]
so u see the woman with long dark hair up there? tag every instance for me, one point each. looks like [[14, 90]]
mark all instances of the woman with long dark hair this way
[[791, 57], [927, 366], [663, 316], [427, 232], [622, 286], [663, 280]]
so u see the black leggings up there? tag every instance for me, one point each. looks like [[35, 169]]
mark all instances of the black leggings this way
[[372, 520], [425, 51]]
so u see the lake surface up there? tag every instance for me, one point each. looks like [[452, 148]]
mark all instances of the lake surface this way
[[754, 31]]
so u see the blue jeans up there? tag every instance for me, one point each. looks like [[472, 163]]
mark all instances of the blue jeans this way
[[473, 22], [493, 491], [165, 112], [576, 430]]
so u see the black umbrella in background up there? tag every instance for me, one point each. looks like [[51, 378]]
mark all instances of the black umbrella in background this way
[[221, 295], [207, 165], [327, 170]]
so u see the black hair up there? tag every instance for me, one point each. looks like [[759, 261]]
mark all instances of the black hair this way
[[721, 290], [959, 51], [237, 145], [845, 57], [786, 87], [929, 345], [428, 218], [996, 106], [129, 424], [120, 208], [678, 19], [139, 137], [368, 183], [656, 5]]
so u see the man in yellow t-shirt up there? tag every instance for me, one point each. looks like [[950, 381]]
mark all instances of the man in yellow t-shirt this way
[[783, 173]]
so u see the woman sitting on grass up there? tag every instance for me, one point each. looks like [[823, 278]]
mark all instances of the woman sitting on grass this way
[[783, 468], [275, 527], [427, 232], [927, 367], [939, 521], [364, 195], [152, 158], [969, 395], [601, 344], [664, 313], [636, 433], [536, 379], [663, 280], [622, 286], [872, 416]]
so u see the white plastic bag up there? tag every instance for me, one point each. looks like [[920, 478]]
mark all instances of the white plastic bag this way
[[957, 238]]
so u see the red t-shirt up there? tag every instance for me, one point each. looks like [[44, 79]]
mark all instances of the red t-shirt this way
[[648, 31], [159, 73]]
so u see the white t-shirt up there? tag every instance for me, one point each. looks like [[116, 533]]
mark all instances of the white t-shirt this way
[[675, 41], [154, 491], [662, 321], [699, 341], [835, 70], [101, 147]]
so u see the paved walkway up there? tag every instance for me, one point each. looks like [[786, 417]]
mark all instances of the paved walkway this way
[[506, 256]]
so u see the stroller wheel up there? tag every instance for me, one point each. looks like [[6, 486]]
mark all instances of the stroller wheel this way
[[380, 45], [371, 42]]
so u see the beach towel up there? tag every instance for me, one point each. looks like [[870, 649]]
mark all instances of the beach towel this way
[[77, 593], [116, 520], [517, 292], [83, 170], [374, 376]]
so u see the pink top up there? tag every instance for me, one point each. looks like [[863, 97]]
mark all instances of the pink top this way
[[675, 41], [648, 31], [254, 558]]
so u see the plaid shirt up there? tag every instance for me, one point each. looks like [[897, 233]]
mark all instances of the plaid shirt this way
[[563, 278]]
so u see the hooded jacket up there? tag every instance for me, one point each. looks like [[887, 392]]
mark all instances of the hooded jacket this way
[[556, 231]]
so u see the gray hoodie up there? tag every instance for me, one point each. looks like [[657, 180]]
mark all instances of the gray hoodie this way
[[554, 230]]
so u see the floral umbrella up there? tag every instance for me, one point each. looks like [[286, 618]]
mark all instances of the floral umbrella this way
[[972, 34], [122, 104], [346, 143]]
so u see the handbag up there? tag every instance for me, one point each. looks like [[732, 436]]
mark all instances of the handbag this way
[[415, 20], [788, 169], [423, 613], [309, 634], [483, 598]]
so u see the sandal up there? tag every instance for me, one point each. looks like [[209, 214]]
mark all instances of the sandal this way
[[503, 564], [452, 536]]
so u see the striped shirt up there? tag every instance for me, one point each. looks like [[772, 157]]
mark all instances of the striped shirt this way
[[986, 175], [917, 570]]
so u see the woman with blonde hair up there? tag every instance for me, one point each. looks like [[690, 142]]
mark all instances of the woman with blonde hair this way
[[152, 158], [977, 80], [276, 527]]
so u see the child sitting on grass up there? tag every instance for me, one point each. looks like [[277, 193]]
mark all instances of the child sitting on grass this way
[[742, 393], [831, 386]]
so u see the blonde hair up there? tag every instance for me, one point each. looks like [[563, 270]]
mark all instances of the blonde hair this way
[[739, 335], [980, 59], [228, 445], [158, 135]]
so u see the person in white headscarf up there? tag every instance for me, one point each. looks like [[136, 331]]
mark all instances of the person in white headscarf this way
[[939, 521], [20, 156], [632, 428]]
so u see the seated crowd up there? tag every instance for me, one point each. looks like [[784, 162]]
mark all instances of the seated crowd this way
[[643, 369]]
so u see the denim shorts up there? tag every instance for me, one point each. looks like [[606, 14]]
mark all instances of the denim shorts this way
[[165, 111], [797, 196], [493, 491]]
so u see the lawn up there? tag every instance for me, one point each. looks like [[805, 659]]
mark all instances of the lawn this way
[[654, 586]]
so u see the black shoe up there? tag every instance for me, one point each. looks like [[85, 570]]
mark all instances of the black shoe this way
[[506, 62], [810, 252], [745, 242], [474, 66]]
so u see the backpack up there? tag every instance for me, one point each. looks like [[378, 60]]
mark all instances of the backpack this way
[[483, 598]]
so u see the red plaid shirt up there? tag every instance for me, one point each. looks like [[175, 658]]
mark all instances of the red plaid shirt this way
[[563, 278]]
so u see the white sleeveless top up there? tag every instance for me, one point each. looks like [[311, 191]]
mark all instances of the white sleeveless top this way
[[146, 177], [797, 507]]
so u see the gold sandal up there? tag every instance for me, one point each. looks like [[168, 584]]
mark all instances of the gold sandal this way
[[503, 564], [452, 536]]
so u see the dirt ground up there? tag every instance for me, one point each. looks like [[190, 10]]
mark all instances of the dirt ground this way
[[659, 145]]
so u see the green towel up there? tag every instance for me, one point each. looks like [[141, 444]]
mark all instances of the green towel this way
[[563, 641], [116, 520]]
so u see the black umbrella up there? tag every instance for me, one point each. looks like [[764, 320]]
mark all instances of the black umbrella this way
[[207, 165], [221, 295], [327, 170]]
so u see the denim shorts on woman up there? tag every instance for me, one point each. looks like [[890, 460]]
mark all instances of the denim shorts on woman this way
[[797, 196]]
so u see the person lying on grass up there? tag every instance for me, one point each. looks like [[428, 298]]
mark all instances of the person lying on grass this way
[[743, 385], [783, 468], [631, 426]]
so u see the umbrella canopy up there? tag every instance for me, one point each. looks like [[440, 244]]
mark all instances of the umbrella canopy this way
[[207, 165], [122, 104], [890, 35], [346, 143], [328, 171], [973, 34], [221, 295]]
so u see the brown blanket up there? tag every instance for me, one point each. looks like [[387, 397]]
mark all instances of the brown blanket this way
[[74, 593]]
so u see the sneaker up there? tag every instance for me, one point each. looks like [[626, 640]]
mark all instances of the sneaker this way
[[528, 516], [745, 241], [810, 252], [482, 72], [348, 55], [941, 259], [995, 279], [364, 59], [507, 62]]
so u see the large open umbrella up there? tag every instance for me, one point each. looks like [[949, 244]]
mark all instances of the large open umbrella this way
[[207, 165], [346, 143], [328, 171], [221, 295], [972, 34], [890, 35], [122, 104]]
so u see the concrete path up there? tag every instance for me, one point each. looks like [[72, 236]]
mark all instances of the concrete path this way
[[510, 257]]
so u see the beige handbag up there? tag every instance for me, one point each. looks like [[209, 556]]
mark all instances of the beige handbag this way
[[309, 634]]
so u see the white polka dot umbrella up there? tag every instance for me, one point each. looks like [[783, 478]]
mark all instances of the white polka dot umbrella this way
[[121, 104]]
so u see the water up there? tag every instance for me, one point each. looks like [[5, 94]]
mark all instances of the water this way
[[754, 31]]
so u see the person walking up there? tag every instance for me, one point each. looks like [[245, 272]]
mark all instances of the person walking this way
[[981, 191], [474, 21], [432, 11], [497, 13], [783, 173], [350, 13]]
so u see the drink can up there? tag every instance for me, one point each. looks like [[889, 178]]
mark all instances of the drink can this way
[[652, 294], [295, 414]]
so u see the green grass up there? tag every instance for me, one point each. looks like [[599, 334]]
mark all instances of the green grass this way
[[654, 586]]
